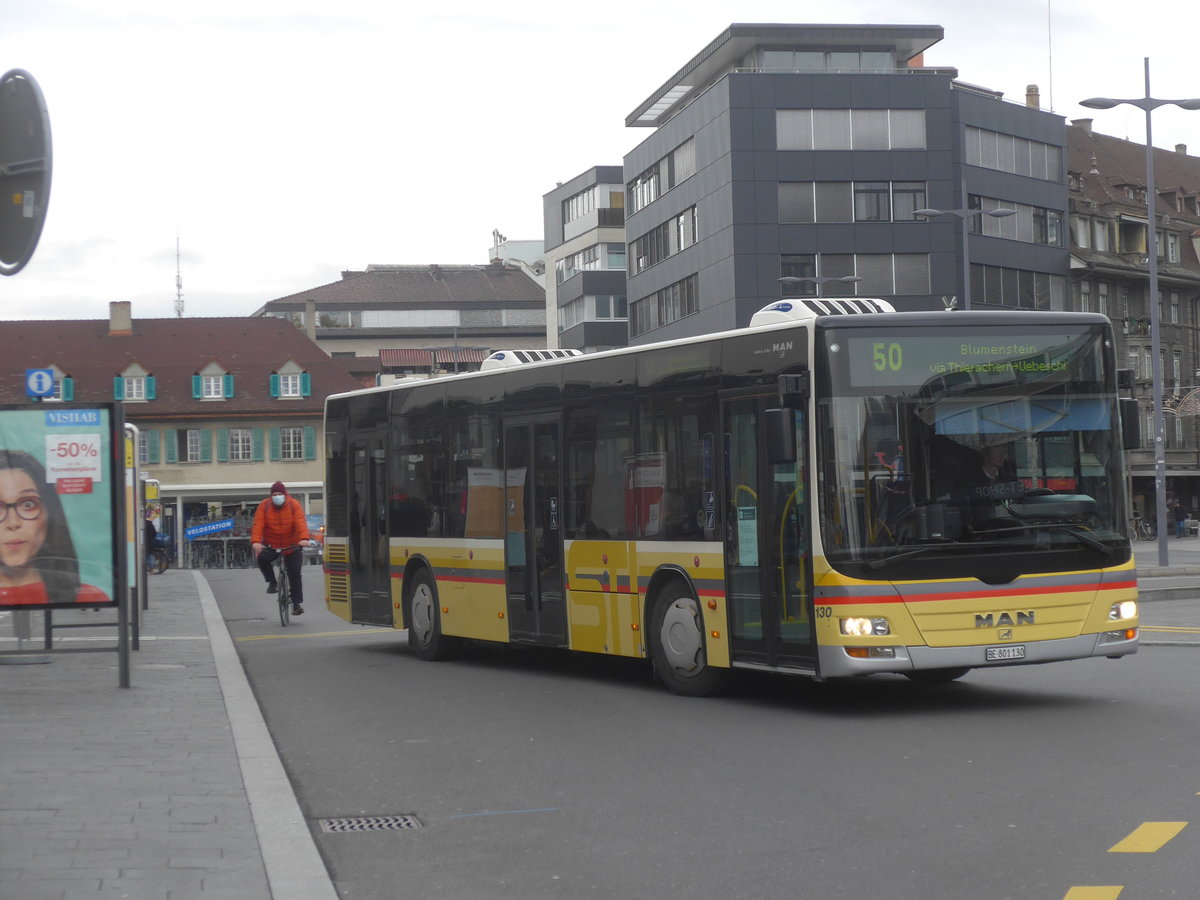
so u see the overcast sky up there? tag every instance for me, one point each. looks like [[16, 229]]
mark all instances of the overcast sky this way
[[287, 140]]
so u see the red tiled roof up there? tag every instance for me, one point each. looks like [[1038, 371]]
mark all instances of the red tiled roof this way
[[172, 350]]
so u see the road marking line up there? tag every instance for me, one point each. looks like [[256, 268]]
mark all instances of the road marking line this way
[[1149, 837], [1095, 892], [1182, 629], [307, 634]]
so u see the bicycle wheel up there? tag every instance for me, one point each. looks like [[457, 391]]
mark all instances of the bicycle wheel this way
[[284, 595], [158, 562]]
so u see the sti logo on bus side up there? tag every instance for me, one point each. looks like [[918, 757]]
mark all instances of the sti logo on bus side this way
[[990, 620]]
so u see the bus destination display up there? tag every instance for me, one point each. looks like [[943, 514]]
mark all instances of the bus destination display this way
[[883, 361]]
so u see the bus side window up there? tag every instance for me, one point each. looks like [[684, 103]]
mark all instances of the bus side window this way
[[598, 444]]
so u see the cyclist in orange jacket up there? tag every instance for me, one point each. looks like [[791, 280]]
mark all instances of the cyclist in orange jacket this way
[[278, 523]]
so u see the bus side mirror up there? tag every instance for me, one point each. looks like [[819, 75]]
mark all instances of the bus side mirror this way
[[780, 435], [1131, 432]]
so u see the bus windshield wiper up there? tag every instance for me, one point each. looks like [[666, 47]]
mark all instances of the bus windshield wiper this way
[[1058, 526], [1086, 539], [875, 564]]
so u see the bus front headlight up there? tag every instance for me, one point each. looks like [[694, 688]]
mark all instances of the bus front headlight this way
[[862, 627], [1126, 609]]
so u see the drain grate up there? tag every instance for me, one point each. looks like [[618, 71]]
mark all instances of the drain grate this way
[[370, 823], [258, 619]]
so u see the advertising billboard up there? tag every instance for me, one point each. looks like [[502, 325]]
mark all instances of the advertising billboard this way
[[61, 498]]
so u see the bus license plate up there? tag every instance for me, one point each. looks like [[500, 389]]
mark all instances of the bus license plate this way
[[993, 654]]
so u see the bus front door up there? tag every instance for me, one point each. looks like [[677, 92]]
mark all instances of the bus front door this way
[[370, 570], [768, 556], [533, 532]]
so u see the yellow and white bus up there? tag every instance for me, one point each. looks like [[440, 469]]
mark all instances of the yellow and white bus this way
[[836, 490]]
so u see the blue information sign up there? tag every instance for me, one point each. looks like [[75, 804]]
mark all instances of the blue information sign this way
[[39, 382]]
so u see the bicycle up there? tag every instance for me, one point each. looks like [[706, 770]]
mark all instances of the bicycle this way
[[1143, 529], [156, 562], [281, 580]]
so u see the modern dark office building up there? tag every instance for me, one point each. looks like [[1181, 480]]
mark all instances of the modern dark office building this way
[[804, 151]]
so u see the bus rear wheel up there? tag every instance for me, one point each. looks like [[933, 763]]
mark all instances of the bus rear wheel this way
[[677, 644], [424, 620]]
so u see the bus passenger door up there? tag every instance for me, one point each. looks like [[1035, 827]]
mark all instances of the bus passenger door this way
[[370, 568], [533, 532], [768, 555]]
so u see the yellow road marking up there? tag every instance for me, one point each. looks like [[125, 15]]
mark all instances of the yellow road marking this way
[[304, 634], [1149, 837], [1095, 892], [1182, 629]]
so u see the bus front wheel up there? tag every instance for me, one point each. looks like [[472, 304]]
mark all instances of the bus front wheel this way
[[677, 643], [424, 620]]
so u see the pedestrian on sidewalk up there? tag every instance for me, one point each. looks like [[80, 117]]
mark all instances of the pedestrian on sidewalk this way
[[1181, 515], [279, 524]]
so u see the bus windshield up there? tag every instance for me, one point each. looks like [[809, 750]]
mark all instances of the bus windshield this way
[[986, 452]]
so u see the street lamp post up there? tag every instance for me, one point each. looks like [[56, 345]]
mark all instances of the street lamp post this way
[[819, 280], [963, 215], [1147, 104]]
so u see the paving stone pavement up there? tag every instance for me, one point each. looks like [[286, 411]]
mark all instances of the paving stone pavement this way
[[167, 789]]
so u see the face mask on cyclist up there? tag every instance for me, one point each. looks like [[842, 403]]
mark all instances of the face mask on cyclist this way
[[278, 499]]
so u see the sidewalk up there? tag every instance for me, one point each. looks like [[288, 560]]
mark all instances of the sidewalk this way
[[169, 789]]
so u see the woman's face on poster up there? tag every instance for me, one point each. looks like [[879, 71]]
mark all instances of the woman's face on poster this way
[[23, 529]]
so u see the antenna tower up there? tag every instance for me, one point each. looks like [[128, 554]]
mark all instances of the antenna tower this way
[[178, 282]]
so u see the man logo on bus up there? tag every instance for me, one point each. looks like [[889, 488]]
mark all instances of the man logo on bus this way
[[990, 620]]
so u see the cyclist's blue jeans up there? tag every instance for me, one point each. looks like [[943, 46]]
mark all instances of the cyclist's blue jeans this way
[[293, 562]]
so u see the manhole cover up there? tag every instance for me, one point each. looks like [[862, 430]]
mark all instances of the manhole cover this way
[[370, 823], [258, 619]]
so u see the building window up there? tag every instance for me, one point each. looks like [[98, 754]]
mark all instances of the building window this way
[[826, 61], [291, 443], [672, 303], [664, 240], [135, 387], [192, 449], [845, 201], [1031, 224], [1020, 288], [872, 201], [1085, 297], [1102, 297], [881, 274], [241, 445], [1015, 155], [289, 385], [850, 129], [579, 205], [213, 387]]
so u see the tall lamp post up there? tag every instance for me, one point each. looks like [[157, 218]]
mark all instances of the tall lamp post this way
[[819, 280], [1147, 104], [963, 215]]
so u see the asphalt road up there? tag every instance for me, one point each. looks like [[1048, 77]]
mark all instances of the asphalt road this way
[[537, 774]]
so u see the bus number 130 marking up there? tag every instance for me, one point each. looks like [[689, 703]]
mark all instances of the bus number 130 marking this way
[[887, 357]]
